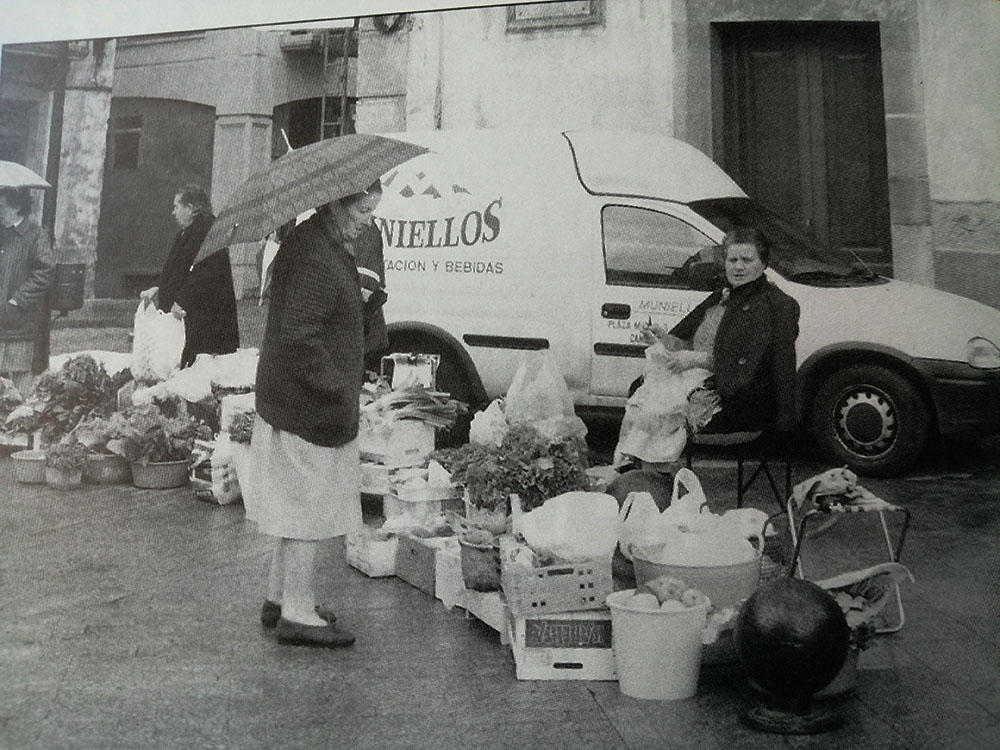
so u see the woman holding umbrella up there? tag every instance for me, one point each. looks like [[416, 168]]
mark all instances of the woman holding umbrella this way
[[27, 268], [304, 452], [305, 479]]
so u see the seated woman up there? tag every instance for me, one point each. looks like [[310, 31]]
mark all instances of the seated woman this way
[[749, 327]]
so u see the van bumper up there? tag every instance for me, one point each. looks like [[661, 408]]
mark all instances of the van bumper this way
[[967, 399]]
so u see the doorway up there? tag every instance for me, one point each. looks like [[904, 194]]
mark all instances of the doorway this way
[[804, 128]]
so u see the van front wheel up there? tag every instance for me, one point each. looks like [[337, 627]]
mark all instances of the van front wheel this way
[[871, 418]]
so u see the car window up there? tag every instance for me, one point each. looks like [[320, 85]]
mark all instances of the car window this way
[[643, 247]]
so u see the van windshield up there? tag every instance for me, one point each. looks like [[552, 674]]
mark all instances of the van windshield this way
[[795, 254]]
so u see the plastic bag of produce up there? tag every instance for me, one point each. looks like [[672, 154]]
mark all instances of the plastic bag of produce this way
[[537, 392], [157, 344], [573, 527]]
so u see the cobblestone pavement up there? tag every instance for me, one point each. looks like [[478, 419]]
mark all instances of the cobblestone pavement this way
[[130, 620]]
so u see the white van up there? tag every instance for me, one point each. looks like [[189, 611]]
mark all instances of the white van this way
[[501, 243]]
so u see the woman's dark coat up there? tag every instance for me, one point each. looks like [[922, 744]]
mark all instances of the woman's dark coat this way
[[312, 356], [754, 356], [205, 292]]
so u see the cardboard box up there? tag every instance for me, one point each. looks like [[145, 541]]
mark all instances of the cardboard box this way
[[566, 646], [374, 478], [418, 507], [403, 442], [567, 587], [376, 558], [448, 584], [416, 563], [489, 608]]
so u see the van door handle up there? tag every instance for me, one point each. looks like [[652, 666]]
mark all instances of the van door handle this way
[[616, 310]]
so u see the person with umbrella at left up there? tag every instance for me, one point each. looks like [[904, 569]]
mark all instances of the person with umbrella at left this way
[[200, 293], [27, 270]]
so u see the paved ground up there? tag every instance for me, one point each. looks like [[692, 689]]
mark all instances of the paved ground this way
[[130, 621]]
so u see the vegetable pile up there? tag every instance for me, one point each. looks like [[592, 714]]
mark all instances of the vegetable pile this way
[[526, 464], [434, 407], [62, 398]]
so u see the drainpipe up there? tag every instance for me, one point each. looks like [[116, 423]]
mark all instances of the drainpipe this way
[[349, 35], [55, 139], [40, 359]]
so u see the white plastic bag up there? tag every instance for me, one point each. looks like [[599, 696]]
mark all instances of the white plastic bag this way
[[537, 392], [637, 522], [574, 526], [489, 426], [157, 344], [658, 415]]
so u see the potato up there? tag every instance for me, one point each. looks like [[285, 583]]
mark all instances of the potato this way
[[666, 588], [645, 601]]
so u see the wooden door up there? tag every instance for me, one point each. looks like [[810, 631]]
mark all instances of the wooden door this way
[[804, 129]]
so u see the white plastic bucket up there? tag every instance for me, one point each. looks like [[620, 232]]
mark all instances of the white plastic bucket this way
[[657, 653]]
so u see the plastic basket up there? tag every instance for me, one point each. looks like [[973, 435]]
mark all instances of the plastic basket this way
[[29, 466], [107, 469], [160, 476], [554, 588]]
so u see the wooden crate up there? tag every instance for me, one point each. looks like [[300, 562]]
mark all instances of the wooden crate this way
[[565, 646]]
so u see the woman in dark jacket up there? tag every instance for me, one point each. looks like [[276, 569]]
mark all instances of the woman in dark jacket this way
[[306, 483], [202, 294], [749, 326]]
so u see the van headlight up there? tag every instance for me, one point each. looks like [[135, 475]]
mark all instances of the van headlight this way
[[982, 353]]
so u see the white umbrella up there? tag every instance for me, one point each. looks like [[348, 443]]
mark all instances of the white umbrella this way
[[16, 175]]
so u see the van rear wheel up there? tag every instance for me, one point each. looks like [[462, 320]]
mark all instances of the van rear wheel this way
[[871, 418]]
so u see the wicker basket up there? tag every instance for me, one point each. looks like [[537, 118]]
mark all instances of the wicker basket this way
[[480, 566]]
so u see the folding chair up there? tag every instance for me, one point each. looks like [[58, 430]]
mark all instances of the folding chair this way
[[746, 447]]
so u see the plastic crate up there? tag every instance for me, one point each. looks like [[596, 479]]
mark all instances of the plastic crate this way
[[554, 588], [565, 646]]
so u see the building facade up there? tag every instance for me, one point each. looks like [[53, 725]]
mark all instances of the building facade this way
[[873, 122]]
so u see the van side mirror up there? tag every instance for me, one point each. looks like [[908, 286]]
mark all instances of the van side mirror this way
[[703, 276]]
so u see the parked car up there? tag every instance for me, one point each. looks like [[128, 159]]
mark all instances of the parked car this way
[[502, 244]]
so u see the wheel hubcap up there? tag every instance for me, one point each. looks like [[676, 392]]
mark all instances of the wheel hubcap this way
[[865, 421]]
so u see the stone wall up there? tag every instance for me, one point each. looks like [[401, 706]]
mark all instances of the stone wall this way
[[81, 164], [962, 89]]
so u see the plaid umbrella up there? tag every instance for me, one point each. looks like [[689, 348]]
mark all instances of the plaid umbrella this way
[[15, 175], [305, 178]]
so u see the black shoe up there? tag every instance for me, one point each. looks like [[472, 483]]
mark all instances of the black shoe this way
[[320, 636], [270, 613]]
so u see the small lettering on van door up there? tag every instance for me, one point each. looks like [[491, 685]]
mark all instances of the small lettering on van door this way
[[680, 307]]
